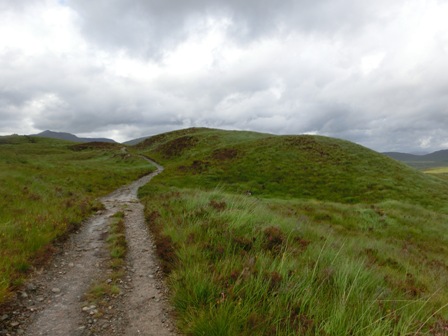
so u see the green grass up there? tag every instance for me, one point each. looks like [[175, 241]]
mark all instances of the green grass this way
[[117, 245], [103, 289], [241, 266], [289, 167], [335, 239], [47, 187], [440, 172]]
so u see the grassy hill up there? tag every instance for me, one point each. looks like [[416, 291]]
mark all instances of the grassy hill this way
[[69, 137], [257, 234], [135, 141], [47, 187], [303, 166], [286, 235], [432, 160]]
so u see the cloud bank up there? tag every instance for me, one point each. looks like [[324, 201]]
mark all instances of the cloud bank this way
[[370, 72]]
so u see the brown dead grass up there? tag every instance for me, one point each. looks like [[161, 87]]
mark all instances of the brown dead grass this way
[[177, 146], [95, 145], [165, 247]]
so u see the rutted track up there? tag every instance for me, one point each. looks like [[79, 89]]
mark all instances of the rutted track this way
[[52, 303]]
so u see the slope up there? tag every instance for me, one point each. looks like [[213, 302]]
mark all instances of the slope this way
[[69, 137], [431, 160], [47, 187], [302, 166], [338, 239]]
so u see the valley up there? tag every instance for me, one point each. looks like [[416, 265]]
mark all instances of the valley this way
[[255, 234]]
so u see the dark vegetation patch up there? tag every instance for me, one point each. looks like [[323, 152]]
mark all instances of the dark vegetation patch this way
[[242, 243], [218, 205], [175, 147], [410, 286], [274, 279], [223, 154], [165, 247], [273, 239], [95, 145], [152, 140], [16, 139], [155, 142], [300, 322], [439, 328], [196, 167]]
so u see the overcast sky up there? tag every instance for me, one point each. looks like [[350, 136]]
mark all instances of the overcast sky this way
[[374, 72]]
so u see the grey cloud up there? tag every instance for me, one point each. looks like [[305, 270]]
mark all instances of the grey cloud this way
[[309, 81], [149, 27], [17, 5]]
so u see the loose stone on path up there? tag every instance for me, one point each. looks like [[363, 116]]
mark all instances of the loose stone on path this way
[[51, 303]]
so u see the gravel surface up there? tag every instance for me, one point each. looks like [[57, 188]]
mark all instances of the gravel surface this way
[[53, 301]]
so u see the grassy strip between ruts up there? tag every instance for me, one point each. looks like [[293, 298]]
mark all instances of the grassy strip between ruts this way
[[241, 266], [98, 297], [47, 188]]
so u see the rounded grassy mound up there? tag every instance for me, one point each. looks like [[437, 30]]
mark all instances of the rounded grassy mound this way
[[302, 166]]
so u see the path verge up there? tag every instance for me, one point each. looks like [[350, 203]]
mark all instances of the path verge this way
[[51, 303]]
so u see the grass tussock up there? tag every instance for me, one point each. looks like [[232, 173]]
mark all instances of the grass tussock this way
[[47, 188], [247, 267], [334, 239], [165, 247], [108, 287]]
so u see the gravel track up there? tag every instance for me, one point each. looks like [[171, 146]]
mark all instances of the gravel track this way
[[52, 301]]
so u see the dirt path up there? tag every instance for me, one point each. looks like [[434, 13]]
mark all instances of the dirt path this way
[[52, 303]]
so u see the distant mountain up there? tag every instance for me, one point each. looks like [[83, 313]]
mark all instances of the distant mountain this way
[[436, 159], [70, 137]]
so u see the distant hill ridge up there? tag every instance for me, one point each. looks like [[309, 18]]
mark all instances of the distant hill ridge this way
[[136, 141], [288, 166], [70, 137], [431, 160]]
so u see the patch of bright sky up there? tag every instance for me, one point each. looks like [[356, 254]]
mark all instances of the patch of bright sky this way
[[371, 62], [198, 53], [39, 30], [425, 142], [122, 65]]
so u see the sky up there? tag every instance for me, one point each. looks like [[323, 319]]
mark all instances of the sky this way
[[374, 71]]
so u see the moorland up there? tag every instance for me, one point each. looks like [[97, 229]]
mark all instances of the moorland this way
[[47, 188], [257, 234]]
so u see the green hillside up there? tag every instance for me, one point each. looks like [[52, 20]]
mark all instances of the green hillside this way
[[427, 161], [47, 187], [257, 234], [302, 166], [296, 235]]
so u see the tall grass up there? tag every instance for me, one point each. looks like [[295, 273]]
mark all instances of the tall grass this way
[[243, 266], [335, 239], [46, 189]]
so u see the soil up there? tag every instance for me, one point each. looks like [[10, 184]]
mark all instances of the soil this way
[[53, 302]]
